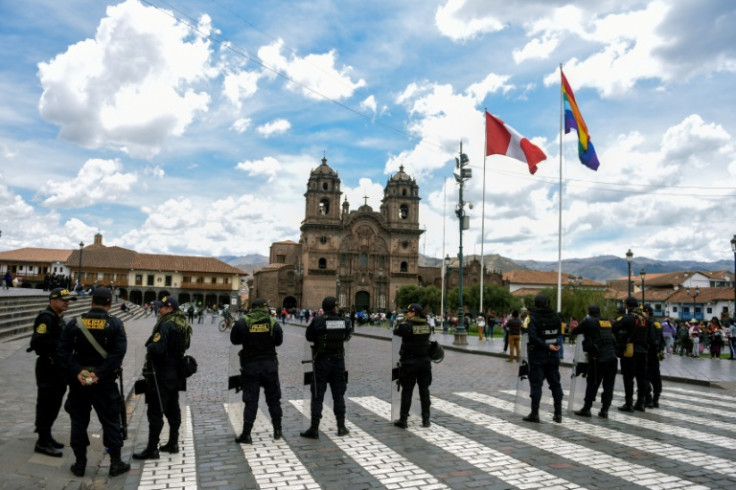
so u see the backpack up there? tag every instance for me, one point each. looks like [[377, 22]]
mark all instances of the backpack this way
[[187, 364]]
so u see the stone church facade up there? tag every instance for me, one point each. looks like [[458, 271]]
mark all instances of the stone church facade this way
[[360, 256]]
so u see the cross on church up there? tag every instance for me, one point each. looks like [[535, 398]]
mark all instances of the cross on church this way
[[366, 199]]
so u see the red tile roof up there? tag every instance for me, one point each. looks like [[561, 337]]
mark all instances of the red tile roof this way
[[46, 255]]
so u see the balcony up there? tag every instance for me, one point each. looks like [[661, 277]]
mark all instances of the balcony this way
[[207, 286]]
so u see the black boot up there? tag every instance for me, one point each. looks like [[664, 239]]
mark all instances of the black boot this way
[[425, 420], [648, 402], [341, 429], [655, 401], [626, 407], [276, 429], [639, 405], [173, 445], [401, 422], [312, 432], [532, 417], [117, 466], [244, 437], [557, 417], [78, 467], [585, 411], [55, 443], [151, 452], [604, 412]]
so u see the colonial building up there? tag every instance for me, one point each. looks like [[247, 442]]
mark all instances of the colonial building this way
[[360, 256], [139, 278]]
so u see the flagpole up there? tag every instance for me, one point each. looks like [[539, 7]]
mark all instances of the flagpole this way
[[483, 217], [559, 214], [444, 266]]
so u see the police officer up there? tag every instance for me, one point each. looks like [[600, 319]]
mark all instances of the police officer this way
[[633, 328], [164, 351], [600, 345], [259, 334], [543, 348], [656, 352], [91, 351], [50, 379], [416, 367], [328, 332]]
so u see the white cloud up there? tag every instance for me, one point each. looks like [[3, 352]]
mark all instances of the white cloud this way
[[241, 125], [131, 87], [369, 104], [268, 166], [460, 21], [279, 126], [240, 86], [314, 75], [97, 181]]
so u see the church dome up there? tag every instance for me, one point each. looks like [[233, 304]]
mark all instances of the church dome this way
[[324, 169], [401, 175]]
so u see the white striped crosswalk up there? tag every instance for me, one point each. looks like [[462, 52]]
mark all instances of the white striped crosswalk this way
[[480, 430]]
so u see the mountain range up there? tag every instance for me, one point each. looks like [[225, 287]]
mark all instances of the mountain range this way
[[600, 268]]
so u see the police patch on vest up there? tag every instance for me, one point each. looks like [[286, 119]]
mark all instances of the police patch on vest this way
[[260, 328], [156, 337], [335, 324], [94, 323], [41, 329], [605, 324], [420, 329]]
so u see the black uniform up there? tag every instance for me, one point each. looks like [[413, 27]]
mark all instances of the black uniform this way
[[259, 334], [633, 328], [50, 378], [416, 367], [656, 352], [164, 350], [600, 346], [544, 330], [76, 354], [329, 332]]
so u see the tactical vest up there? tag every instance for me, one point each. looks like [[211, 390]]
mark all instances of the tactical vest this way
[[331, 340], [98, 324], [549, 331], [259, 344], [416, 344], [640, 334]]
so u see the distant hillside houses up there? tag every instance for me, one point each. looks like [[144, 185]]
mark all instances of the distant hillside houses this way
[[677, 295], [136, 277]]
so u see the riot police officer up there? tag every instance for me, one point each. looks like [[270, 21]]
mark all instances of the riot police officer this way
[[164, 351], [416, 367], [656, 352], [633, 328], [259, 334], [543, 349], [600, 346], [328, 332], [91, 371], [50, 379]]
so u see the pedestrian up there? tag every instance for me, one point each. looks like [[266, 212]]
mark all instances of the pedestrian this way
[[50, 379], [694, 334], [165, 349], [716, 338], [513, 328], [328, 334], [8, 278], [600, 345], [259, 334], [731, 335], [432, 323], [481, 323], [544, 361], [633, 336], [668, 332], [91, 371], [416, 367]]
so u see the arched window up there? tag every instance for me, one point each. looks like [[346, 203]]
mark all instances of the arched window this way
[[363, 259], [403, 211], [404, 267], [322, 264], [324, 206], [325, 186], [403, 192]]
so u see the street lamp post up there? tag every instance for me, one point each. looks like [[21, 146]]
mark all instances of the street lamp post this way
[[337, 288], [79, 272], [733, 247], [629, 257], [299, 272], [445, 327], [380, 290], [694, 293], [462, 163], [643, 274]]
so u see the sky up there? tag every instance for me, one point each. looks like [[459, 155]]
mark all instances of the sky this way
[[191, 127]]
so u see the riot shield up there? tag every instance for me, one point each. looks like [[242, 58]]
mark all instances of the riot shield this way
[[579, 371], [234, 403], [522, 403], [308, 383], [395, 371]]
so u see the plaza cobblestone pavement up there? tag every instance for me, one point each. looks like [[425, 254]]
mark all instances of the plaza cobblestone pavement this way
[[475, 441]]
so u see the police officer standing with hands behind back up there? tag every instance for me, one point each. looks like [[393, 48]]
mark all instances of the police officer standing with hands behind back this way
[[164, 351], [328, 332], [92, 370], [416, 367], [259, 334], [50, 379], [544, 359]]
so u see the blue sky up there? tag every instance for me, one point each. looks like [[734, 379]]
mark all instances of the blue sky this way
[[191, 127]]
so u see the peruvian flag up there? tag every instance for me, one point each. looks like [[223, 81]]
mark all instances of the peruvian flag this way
[[502, 139]]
